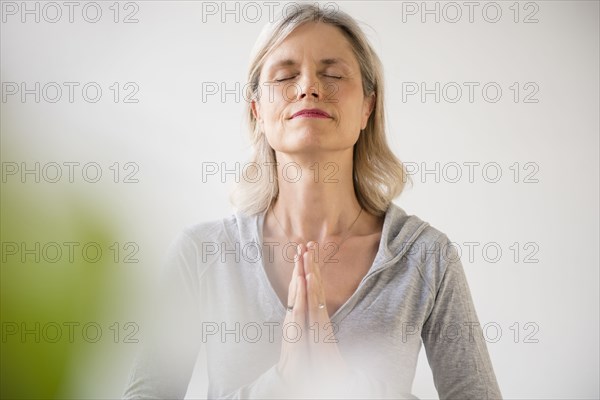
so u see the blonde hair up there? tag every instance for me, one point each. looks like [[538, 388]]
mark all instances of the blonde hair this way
[[378, 175]]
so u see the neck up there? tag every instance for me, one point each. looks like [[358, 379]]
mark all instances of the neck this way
[[316, 198]]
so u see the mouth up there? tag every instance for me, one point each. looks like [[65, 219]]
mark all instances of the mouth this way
[[311, 113]]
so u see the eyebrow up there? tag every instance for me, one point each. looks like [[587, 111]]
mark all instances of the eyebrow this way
[[288, 62]]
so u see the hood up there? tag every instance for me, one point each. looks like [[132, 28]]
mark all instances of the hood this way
[[399, 232]]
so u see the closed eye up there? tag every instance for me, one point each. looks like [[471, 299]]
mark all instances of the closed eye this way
[[291, 77], [283, 79]]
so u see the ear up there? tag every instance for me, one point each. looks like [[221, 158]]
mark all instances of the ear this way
[[255, 109], [256, 112], [368, 106]]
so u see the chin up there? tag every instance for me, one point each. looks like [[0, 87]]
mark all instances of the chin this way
[[309, 136]]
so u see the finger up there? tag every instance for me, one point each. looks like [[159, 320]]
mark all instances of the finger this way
[[294, 358], [317, 307], [315, 292], [321, 330], [300, 317], [313, 301], [313, 255], [295, 321], [316, 269], [301, 250], [309, 256], [294, 281], [300, 300]]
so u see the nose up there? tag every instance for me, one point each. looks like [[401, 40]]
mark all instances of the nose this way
[[308, 85]]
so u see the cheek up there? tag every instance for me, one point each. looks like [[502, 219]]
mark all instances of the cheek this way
[[268, 111], [273, 114], [351, 109], [351, 97]]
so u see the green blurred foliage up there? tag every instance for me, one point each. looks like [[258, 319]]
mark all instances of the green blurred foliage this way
[[45, 292]]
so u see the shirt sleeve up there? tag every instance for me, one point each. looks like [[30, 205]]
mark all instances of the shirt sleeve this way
[[453, 339], [165, 362], [164, 365]]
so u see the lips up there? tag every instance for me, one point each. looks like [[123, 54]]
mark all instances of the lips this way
[[311, 113]]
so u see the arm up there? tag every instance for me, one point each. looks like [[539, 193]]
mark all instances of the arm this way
[[453, 339], [165, 363]]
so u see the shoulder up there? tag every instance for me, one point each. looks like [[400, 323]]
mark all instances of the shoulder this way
[[208, 230], [412, 234], [425, 247], [196, 246], [218, 230], [211, 235]]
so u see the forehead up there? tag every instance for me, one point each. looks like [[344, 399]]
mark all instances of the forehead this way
[[324, 43]]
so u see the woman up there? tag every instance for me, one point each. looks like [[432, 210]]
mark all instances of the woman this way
[[346, 314]]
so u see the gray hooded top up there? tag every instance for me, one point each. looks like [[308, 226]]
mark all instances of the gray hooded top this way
[[218, 296]]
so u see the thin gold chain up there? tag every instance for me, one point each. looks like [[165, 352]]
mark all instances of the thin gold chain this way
[[339, 245]]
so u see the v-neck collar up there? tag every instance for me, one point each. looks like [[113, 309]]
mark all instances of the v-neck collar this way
[[382, 258]]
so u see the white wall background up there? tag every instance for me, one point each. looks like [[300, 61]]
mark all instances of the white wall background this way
[[550, 208]]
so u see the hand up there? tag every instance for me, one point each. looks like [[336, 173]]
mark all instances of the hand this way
[[315, 356], [294, 359]]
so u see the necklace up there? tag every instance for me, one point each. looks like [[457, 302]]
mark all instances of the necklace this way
[[343, 239]]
